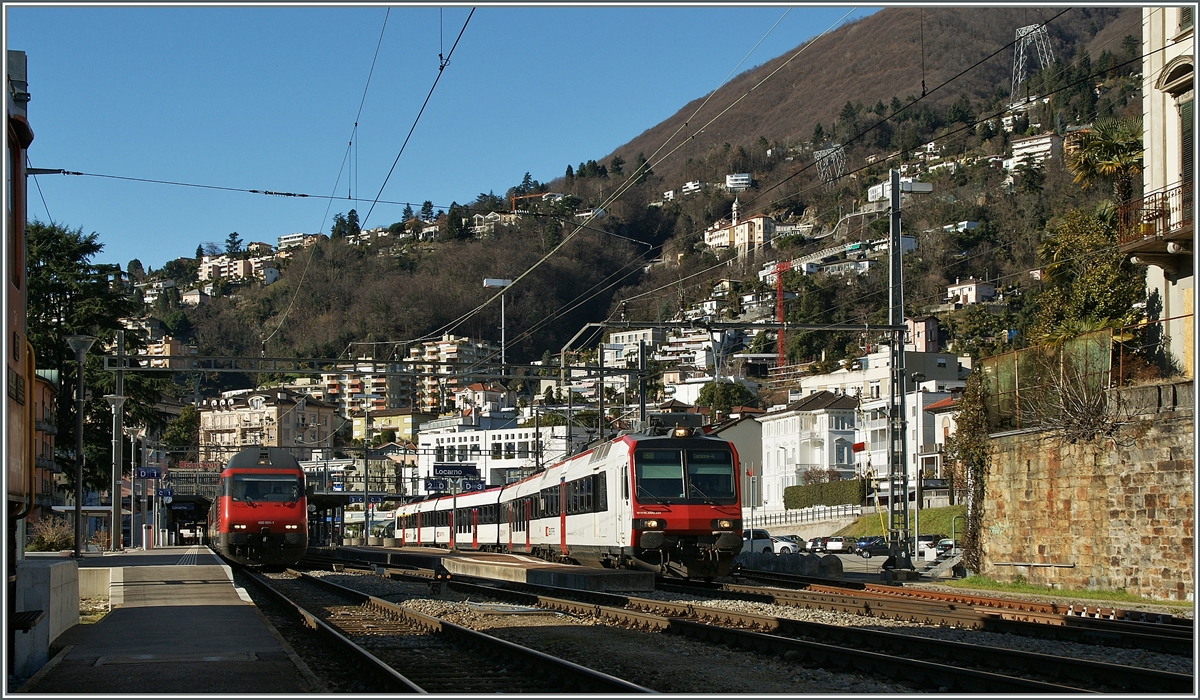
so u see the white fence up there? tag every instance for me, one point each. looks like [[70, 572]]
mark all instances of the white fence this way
[[800, 515]]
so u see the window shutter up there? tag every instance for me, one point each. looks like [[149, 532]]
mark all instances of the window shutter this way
[[1185, 18], [1185, 142]]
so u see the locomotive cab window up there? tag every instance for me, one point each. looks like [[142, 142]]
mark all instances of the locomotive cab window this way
[[710, 476], [658, 474], [684, 476], [259, 488]]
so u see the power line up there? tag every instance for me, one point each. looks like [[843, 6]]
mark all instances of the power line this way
[[441, 67]]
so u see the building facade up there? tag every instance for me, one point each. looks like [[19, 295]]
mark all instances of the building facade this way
[[272, 418], [812, 437]]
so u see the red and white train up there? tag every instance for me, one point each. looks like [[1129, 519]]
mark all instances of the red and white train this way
[[668, 504], [259, 515]]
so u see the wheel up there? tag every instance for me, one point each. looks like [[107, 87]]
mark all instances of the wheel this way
[[866, 554], [785, 550], [767, 550]]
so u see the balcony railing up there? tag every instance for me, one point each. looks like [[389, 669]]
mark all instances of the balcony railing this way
[[1166, 214]]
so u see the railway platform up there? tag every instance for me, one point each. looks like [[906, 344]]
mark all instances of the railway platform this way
[[177, 625], [505, 567]]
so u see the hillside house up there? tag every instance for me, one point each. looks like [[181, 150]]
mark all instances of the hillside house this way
[[815, 433], [1034, 148], [972, 291], [738, 182]]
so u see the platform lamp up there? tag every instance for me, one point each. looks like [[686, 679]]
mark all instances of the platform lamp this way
[[114, 535], [490, 283], [80, 344]]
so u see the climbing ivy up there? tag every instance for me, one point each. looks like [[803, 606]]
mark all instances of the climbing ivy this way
[[967, 452]]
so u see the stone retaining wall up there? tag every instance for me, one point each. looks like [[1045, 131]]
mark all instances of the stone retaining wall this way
[[1113, 513]]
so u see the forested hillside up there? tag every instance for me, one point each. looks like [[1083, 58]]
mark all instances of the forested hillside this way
[[335, 295]]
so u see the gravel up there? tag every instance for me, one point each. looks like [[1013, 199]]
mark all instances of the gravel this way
[[662, 662]]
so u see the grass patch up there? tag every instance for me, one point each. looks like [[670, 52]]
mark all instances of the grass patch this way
[[1112, 596], [932, 520], [92, 610]]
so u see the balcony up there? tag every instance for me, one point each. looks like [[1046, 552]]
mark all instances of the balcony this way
[[1158, 226]]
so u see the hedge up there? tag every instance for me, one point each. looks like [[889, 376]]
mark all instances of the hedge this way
[[833, 493]]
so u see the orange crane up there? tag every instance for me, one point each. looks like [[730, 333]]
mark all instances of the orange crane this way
[[524, 196], [780, 268]]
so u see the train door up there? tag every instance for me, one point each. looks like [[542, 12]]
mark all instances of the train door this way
[[528, 525], [508, 523], [475, 528], [418, 528], [562, 514], [623, 510]]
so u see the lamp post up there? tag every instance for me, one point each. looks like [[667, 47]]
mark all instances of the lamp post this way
[[917, 378], [80, 344], [114, 538], [490, 283]]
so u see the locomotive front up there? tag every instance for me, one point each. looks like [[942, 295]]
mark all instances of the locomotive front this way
[[687, 517], [261, 511]]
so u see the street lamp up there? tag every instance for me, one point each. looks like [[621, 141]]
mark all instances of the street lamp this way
[[114, 535], [80, 344], [491, 283]]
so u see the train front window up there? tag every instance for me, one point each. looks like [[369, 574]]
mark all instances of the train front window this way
[[259, 488], [710, 476], [658, 475]]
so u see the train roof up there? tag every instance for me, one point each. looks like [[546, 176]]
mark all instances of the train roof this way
[[263, 458]]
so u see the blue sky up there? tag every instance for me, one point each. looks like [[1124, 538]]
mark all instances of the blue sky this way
[[266, 97]]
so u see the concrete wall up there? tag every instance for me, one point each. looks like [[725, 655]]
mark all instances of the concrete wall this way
[[51, 585], [93, 582], [1111, 513]]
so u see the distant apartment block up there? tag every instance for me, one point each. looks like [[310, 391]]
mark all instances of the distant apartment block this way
[[270, 418], [738, 182], [692, 187], [1034, 148], [169, 347], [438, 363]]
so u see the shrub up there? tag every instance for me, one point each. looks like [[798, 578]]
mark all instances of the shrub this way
[[832, 493], [51, 535]]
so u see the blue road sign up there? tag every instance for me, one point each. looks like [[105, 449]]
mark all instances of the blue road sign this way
[[455, 471], [469, 485], [436, 485], [147, 473], [166, 492]]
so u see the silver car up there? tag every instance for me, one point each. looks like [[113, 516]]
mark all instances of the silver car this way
[[787, 544]]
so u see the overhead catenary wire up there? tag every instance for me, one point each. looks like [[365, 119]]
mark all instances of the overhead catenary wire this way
[[442, 63], [633, 178]]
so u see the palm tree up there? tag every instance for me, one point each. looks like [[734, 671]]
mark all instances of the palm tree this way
[[1112, 149]]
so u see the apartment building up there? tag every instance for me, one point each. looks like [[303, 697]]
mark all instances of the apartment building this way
[[813, 434], [438, 364], [406, 423], [272, 418], [972, 291], [360, 386], [1035, 149]]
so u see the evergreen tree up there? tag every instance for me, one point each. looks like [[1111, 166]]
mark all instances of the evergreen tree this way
[[615, 165], [338, 230], [352, 227], [570, 174], [427, 211], [642, 169], [233, 243], [199, 252], [408, 213]]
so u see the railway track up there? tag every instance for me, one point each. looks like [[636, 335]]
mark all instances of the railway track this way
[[1025, 618], [408, 652], [955, 665]]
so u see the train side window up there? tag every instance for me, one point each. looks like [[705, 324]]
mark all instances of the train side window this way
[[625, 483]]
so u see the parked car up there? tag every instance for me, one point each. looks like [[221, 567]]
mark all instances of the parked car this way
[[838, 544], [756, 541], [787, 544], [871, 546], [926, 542], [947, 547], [816, 545]]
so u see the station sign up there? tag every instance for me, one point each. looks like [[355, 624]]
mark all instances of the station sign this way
[[147, 473], [436, 485], [183, 506], [166, 492], [359, 498], [455, 471], [469, 485]]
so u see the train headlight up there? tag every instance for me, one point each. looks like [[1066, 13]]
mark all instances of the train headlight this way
[[723, 524], [239, 527], [649, 524], [682, 432], [291, 527]]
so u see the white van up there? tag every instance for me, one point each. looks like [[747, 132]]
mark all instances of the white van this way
[[756, 541]]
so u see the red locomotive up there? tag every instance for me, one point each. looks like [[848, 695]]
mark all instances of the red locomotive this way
[[259, 516]]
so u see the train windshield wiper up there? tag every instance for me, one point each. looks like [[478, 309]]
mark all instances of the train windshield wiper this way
[[643, 489], [707, 499]]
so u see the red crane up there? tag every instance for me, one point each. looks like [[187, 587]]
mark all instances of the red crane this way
[[780, 268]]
